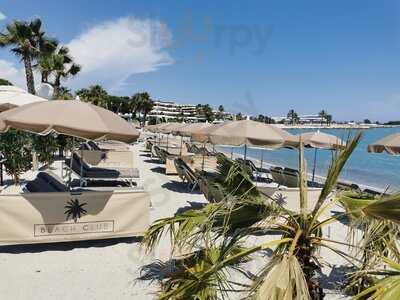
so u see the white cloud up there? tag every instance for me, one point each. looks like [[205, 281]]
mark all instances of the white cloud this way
[[2, 16], [111, 52], [12, 73]]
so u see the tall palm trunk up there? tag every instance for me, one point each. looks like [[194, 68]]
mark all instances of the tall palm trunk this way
[[30, 83], [57, 83], [45, 76]]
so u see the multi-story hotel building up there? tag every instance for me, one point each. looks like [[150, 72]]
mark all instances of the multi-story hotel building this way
[[170, 111]]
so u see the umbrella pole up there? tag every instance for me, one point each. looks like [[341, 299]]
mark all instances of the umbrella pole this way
[[81, 182], [315, 163], [70, 164], [261, 163], [245, 152], [180, 152], [232, 153], [202, 163], [167, 141]]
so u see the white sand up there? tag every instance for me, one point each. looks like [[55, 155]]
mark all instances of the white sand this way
[[107, 269]]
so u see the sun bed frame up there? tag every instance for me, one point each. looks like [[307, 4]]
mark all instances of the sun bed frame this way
[[87, 173]]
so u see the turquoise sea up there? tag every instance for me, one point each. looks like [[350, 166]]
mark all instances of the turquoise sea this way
[[379, 170]]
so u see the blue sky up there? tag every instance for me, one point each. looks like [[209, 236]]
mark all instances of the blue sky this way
[[251, 56]]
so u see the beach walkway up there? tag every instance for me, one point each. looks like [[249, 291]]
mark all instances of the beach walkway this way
[[104, 269]]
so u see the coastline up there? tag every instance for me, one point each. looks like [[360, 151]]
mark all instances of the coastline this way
[[334, 126], [317, 178]]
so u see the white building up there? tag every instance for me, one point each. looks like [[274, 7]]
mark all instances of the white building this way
[[170, 111], [304, 119]]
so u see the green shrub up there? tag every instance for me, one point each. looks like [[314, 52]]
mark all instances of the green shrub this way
[[14, 145], [45, 146]]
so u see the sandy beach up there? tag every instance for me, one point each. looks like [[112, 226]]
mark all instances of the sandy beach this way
[[107, 269]]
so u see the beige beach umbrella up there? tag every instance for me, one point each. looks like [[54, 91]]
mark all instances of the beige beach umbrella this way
[[12, 96], [320, 140], [201, 134], [247, 133], [169, 128], [188, 129], [69, 117], [390, 144], [151, 128], [191, 128], [253, 134]]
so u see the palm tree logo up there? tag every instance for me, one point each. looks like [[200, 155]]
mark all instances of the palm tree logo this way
[[74, 209]]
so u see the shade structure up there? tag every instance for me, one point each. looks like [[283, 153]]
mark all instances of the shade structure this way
[[251, 133], [189, 129], [168, 128], [389, 144], [69, 117], [201, 135], [151, 128], [320, 140], [12, 96]]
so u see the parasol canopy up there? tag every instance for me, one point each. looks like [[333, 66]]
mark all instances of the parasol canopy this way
[[69, 117], [320, 140], [12, 96], [191, 128], [251, 133], [390, 144]]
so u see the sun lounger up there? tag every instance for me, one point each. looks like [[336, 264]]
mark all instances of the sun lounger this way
[[42, 185], [277, 175], [212, 192], [187, 174], [47, 181], [86, 172], [291, 176], [256, 172], [160, 153]]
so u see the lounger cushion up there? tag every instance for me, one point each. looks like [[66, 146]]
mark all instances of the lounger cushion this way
[[86, 171], [53, 180], [38, 185]]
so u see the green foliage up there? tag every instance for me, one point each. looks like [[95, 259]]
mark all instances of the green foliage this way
[[14, 145], [27, 41], [5, 82], [264, 119], [142, 103], [45, 147], [95, 94], [244, 212], [59, 65], [205, 110], [293, 116]]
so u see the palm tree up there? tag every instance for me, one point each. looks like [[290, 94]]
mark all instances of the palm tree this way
[[328, 119], [141, 102], [217, 232], [28, 41], [64, 93], [292, 116], [220, 113], [146, 106], [64, 68], [136, 104], [58, 64], [95, 94], [323, 115]]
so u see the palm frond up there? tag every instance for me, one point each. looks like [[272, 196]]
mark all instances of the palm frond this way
[[338, 162], [385, 288], [282, 278]]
